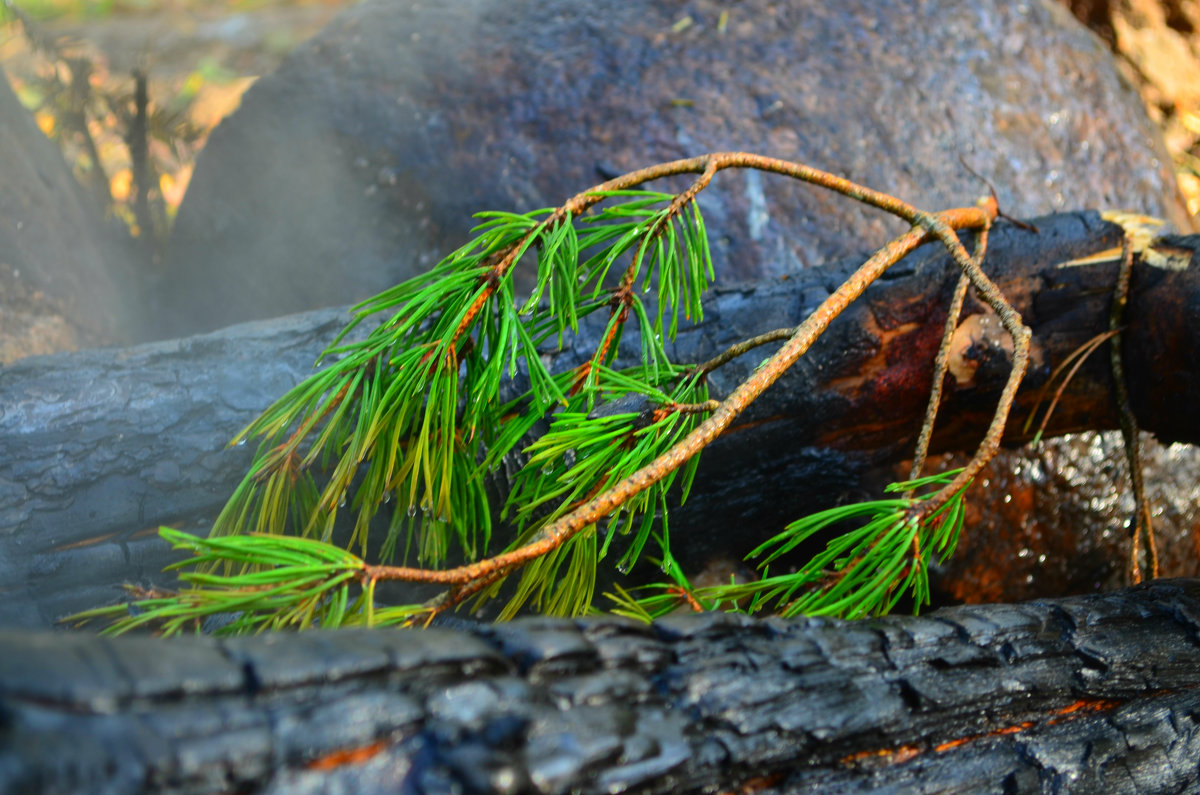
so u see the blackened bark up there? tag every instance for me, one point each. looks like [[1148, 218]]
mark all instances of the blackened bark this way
[[101, 447], [1086, 694]]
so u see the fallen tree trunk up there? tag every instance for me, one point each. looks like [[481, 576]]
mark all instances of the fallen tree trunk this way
[[101, 447], [1087, 694]]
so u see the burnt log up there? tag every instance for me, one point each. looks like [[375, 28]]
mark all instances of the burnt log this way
[[1084, 694], [102, 447]]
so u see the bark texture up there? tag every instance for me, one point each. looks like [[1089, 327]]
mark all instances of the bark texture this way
[[1088, 694], [101, 447]]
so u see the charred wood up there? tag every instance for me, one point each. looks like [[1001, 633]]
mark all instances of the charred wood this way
[[101, 447], [1085, 694]]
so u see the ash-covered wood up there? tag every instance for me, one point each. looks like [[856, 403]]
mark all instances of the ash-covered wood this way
[[101, 447], [1088, 694]]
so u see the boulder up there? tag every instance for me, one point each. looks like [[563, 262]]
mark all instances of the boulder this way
[[60, 288], [361, 160]]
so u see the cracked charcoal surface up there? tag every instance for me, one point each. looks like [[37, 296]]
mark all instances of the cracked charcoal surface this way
[[1086, 694]]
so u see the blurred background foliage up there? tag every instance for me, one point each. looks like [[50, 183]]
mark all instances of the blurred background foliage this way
[[75, 64]]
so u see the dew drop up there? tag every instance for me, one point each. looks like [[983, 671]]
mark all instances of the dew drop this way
[[241, 442], [412, 511], [387, 497], [426, 506], [665, 567], [624, 567], [342, 502]]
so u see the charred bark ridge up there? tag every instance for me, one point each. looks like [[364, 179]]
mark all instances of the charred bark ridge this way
[[1093, 694], [101, 447], [1088, 694]]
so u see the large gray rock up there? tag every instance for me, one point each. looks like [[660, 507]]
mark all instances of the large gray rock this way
[[361, 160], [59, 285]]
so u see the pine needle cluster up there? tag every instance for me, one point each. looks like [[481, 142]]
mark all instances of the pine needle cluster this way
[[400, 429]]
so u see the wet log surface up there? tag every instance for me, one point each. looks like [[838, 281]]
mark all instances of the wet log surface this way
[[101, 447], [1085, 694]]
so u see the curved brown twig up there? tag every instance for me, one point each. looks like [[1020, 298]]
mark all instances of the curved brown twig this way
[[940, 226]]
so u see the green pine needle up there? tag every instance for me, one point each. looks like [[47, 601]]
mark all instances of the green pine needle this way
[[285, 583], [864, 570], [396, 420], [403, 424]]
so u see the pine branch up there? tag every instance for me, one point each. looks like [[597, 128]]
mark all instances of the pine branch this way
[[410, 419]]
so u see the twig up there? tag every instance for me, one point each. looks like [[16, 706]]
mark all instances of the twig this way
[[1129, 428], [943, 360], [941, 225], [673, 209], [623, 295], [745, 346], [600, 494], [137, 141], [1075, 361], [685, 408], [926, 226], [705, 165]]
